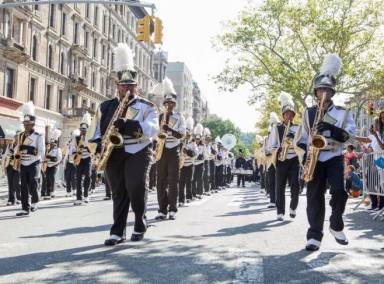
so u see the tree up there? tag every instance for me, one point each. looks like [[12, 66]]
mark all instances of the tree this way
[[280, 45]]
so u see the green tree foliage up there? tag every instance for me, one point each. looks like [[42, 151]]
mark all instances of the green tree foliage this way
[[280, 45]]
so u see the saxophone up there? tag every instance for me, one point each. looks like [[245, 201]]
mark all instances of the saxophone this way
[[162, 136], [112, 138], [17, 156], [318, 143], [287, 143], [77, 158], [44, 166]]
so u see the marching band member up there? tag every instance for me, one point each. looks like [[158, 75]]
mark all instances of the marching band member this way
[[53, 159], [70, 168], [270, 169], [173, 124], [13, 176], [153, 170], [212, 150], [189, 150], [127, 167], [240, 165], [207, 151], [82, 161], [335, 125], [219, 171], [29, 152], [287, 165], [198, 172]]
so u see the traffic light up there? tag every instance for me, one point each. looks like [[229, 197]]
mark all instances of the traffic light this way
[[143, 29], [158, 31], [370, 108]]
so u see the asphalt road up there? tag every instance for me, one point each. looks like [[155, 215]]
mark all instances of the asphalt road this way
[[230, 237]]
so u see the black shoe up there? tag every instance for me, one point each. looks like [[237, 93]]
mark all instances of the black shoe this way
[[112, 242], [22, 213], [311, 247], [137, 237], [107, 198], [33, 208]]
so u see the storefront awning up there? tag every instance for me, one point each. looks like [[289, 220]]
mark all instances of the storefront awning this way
[[8, 127]]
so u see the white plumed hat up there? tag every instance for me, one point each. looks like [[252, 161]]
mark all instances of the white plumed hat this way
[[328, 72], [28, 111], [286, 102], [124, 65], [85, 121], [273, 118], [207, 133], [198, 131], [56, 133], [189, 123]]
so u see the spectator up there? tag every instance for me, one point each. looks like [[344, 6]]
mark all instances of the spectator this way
[[354, 184], [350, 157]]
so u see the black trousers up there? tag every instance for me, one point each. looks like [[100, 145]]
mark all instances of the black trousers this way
[[287, 171], [206, 176], [29, 181], [229, 175], [240, 179], [219, 176], [93, 178], [70, 177], [126, 174], [197, 182], [168, 177], [377, 201], [13, 178], [50, 179], [212, 178], [185, 185], [83, 170], [270, 179], [108, 192], [262, 177], [333, 172], [152, 175]]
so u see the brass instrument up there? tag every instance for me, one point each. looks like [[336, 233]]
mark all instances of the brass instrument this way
[[112, 138], [44, 165], [286, 144], [182, 154], [318, 143], [162, 136], [77, 158], [17, 156]]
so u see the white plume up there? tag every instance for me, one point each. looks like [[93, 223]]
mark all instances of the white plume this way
[[198, 130], [157, 90], [56, 133], [189, 123], [286, 100], [274, 118], [75, 133], [123, 58], [331, 65], [207, 132], [28, 108], [168, 87], [218, 139], [86, 118]]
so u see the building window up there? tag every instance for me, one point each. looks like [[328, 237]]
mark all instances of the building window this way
[[52, 15], [93, 79], [103, 52], [96, 16], [9, 82], [86, 39], [102, 85], [48, 97], [32, 89], [114, 31], [76, 33], [87, 10], [119, 36], [60, 101], [50, 56], [112, 61], [34, 48], [17, 30], [84, 103], [105, 24], [63, 23], [93, 106], [95, 48], [62, 63], [36, 7], [72, 102]]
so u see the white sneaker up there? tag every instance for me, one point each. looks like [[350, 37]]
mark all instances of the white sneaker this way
[[271, 205], [68, 194], [340, 237], [280, 217], [160, 216], [181, 204], [77, 202], [172, 215], [292, 213], [312, 245], [33, 207], [86, 199]]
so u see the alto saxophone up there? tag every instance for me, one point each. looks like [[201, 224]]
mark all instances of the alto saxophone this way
[[112, 138], [162, 136], [17, 156], [318, 143], [287, 143]]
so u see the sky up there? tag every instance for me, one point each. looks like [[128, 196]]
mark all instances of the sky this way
[[189, 27]]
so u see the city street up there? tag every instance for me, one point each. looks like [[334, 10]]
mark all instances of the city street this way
[[229, 237]]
